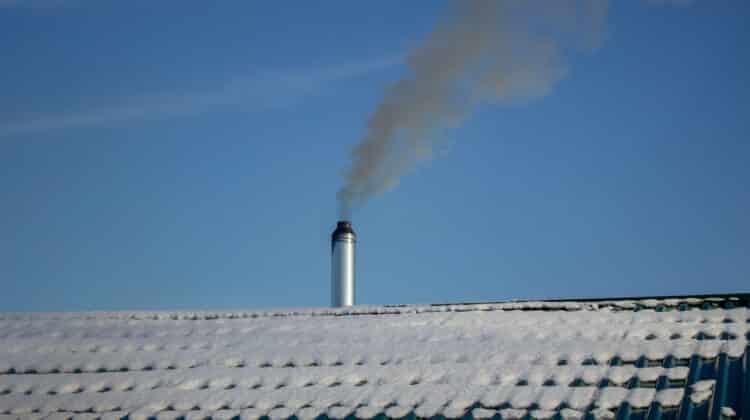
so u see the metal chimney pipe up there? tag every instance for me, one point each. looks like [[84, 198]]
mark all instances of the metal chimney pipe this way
[[343, 240]]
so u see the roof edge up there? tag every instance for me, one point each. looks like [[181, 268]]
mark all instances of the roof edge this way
[[657, 303], [743, 296]]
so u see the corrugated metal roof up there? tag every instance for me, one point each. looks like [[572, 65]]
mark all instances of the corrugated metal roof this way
[[644, 358]]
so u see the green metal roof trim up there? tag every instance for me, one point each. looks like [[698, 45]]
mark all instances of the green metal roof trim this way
[[665, 357]]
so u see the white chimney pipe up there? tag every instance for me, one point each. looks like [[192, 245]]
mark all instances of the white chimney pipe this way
[[343, 240]]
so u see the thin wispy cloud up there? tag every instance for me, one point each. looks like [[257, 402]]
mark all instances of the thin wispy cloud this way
[[261, 91], [670, 2], [34, 4]]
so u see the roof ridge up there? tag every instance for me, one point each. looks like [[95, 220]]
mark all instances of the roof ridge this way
[[633, 303]]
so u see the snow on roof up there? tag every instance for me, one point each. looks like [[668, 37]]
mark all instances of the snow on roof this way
[[482, 360]]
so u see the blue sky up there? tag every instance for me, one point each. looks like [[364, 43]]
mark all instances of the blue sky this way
[[168, 155]]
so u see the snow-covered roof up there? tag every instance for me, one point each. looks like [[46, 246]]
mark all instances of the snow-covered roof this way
[[508, 360]]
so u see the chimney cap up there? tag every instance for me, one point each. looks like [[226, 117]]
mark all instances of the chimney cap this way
[[343, 227]]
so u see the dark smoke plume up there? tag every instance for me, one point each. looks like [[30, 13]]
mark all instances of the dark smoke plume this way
[[485, 51]]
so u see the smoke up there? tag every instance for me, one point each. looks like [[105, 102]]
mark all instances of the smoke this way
[[486, 51]]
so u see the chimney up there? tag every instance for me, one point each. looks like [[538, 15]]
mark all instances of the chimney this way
[[343, 240]]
